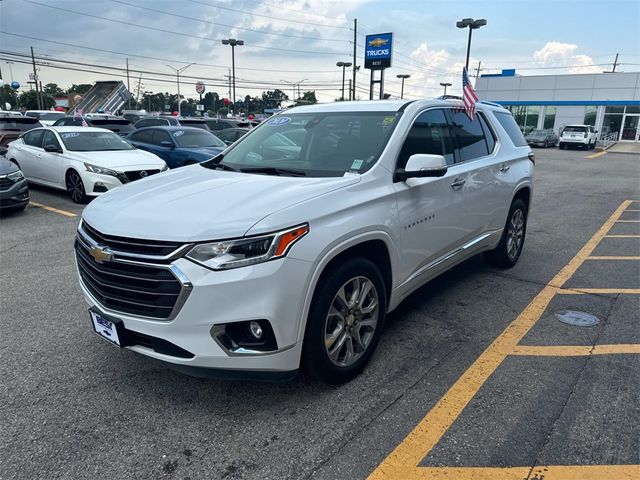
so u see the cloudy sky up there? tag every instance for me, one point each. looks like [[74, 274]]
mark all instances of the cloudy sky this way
[[291, 41]]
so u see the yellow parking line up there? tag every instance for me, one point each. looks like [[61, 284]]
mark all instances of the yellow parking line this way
[[548, 472], [599, 154], [622, 236], [611, 257], [575, 351], [51, 209], [421, 440], [596, 291]]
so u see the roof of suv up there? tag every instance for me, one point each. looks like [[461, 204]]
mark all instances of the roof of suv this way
[[385, 105]]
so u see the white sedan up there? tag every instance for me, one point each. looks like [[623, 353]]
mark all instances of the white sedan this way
[[84, 161]]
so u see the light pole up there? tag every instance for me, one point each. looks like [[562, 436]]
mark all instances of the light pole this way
[[178, 72], [343, 65], [403, 77], [445, 85], [472, 25], [234, 43]]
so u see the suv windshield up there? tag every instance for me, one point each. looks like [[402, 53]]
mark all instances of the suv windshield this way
[[323, 145], [196, 138], [93, 141], [576, 129], [18, 124]]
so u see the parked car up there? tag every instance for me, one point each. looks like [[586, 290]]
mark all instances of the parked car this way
[[119, 125], [269, 261], [178, 146], [12, 126], [134, 115], [194, 122], [157, 121], [542, 138], [46, 117], [231, 135], [578, 136], [85, 161], [216, 124], [14, 192]]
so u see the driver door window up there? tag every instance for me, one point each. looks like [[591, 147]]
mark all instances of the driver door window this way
[[50, 139], [159, 136], [430, 134]]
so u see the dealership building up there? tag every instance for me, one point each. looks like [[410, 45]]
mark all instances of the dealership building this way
[[608, 101]]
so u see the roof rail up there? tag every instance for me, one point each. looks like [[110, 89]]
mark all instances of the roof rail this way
[[490, 103], [449, 97]]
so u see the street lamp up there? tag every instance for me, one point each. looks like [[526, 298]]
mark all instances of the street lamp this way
[[234, 43], [445, 85], [471, 24], [343, 65], [178, 72], [403, 77]]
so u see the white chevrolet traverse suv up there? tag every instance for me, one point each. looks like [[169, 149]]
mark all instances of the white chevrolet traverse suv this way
[[290, 247]]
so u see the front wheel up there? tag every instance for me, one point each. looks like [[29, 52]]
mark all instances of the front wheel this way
[[508, 251], [345, 321], [75, 187]]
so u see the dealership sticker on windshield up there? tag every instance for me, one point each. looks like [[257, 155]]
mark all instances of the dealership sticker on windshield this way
[[388, 120], [178, 133], [356, 164], [70, 135], [274, 122]]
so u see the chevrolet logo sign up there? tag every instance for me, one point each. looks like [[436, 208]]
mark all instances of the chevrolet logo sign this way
[[378, 42], [101, 254]]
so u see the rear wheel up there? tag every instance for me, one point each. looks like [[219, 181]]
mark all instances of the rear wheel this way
[[345, 321], [508, 251], [75, 187]]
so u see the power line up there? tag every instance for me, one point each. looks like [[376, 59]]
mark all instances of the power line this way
[[224, 25], [122, 22], [125, 54], [280, 7], [267, 16]]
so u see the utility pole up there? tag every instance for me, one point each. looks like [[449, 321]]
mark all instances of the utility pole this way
[[35, 79], [615, 64], [478, 70], [352, 90], [128, 86]]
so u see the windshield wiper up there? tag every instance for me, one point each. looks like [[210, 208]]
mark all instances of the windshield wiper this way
[[275, 171]]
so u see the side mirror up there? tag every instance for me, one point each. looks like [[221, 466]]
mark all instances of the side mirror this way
[[52, 149], [422, 165], [166, 144]]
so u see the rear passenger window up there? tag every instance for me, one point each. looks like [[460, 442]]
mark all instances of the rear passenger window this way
[[144, 136], [488, 133], [511, 127], [429, 134], [471, 140], [34, 138]]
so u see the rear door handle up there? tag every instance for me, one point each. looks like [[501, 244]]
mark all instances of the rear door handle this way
[[458, 183], [504, 168]]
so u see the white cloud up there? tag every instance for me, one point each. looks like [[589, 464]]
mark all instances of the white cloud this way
[[557, 54]]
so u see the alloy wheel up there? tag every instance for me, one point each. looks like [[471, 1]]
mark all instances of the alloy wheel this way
[[75, 187], [515, 234], [351, 322]]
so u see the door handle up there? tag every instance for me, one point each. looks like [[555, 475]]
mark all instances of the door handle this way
[[458, 183], [504, 168]]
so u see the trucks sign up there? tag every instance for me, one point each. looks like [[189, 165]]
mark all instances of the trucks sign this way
[[377, 51]]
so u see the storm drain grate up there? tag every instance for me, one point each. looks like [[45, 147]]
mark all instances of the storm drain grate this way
[[577, 318]]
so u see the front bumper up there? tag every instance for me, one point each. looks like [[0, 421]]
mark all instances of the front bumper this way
[[15, 196], [96, 184], [273, 291]]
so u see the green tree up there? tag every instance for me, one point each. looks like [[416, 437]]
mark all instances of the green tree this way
[[29, 100], [53, 89], [308, 98], [211, 101], [274, 99], [8, 95], [80, 89]]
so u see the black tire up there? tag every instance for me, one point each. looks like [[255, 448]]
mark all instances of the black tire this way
[[546, 144], [315, 355], [75, 187], [561, 146], [503, 256]]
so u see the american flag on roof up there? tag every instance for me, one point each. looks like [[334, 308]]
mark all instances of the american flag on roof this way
[[78, 114], [469, 97]]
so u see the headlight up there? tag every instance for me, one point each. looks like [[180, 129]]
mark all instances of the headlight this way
[[100, 170], [246, 251], [15, 176]]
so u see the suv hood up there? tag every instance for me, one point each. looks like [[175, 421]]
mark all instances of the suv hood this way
[[198, 204], [120, 160]]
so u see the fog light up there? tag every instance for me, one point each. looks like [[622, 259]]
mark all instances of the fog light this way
[[256, 330]]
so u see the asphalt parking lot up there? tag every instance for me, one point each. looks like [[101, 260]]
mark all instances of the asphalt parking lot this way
[[475, 378]]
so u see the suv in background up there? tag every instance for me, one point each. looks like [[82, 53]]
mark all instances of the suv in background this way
[[578, 136], [542, 138], [12, 126], [119, 125], [46, 117], [269, 257]]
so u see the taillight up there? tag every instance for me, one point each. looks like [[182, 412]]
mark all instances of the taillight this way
[[532, 157]]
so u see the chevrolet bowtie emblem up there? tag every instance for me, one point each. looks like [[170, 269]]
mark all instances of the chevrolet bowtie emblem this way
[[101, 254], [378, 42]]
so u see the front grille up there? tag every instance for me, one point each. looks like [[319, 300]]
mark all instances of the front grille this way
[[130, 245], [142, 288], [133, 176], [6, 183]]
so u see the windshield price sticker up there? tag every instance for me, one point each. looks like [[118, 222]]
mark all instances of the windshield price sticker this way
[[274, 122], [70, 135], [356, 164], [178, 133]]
